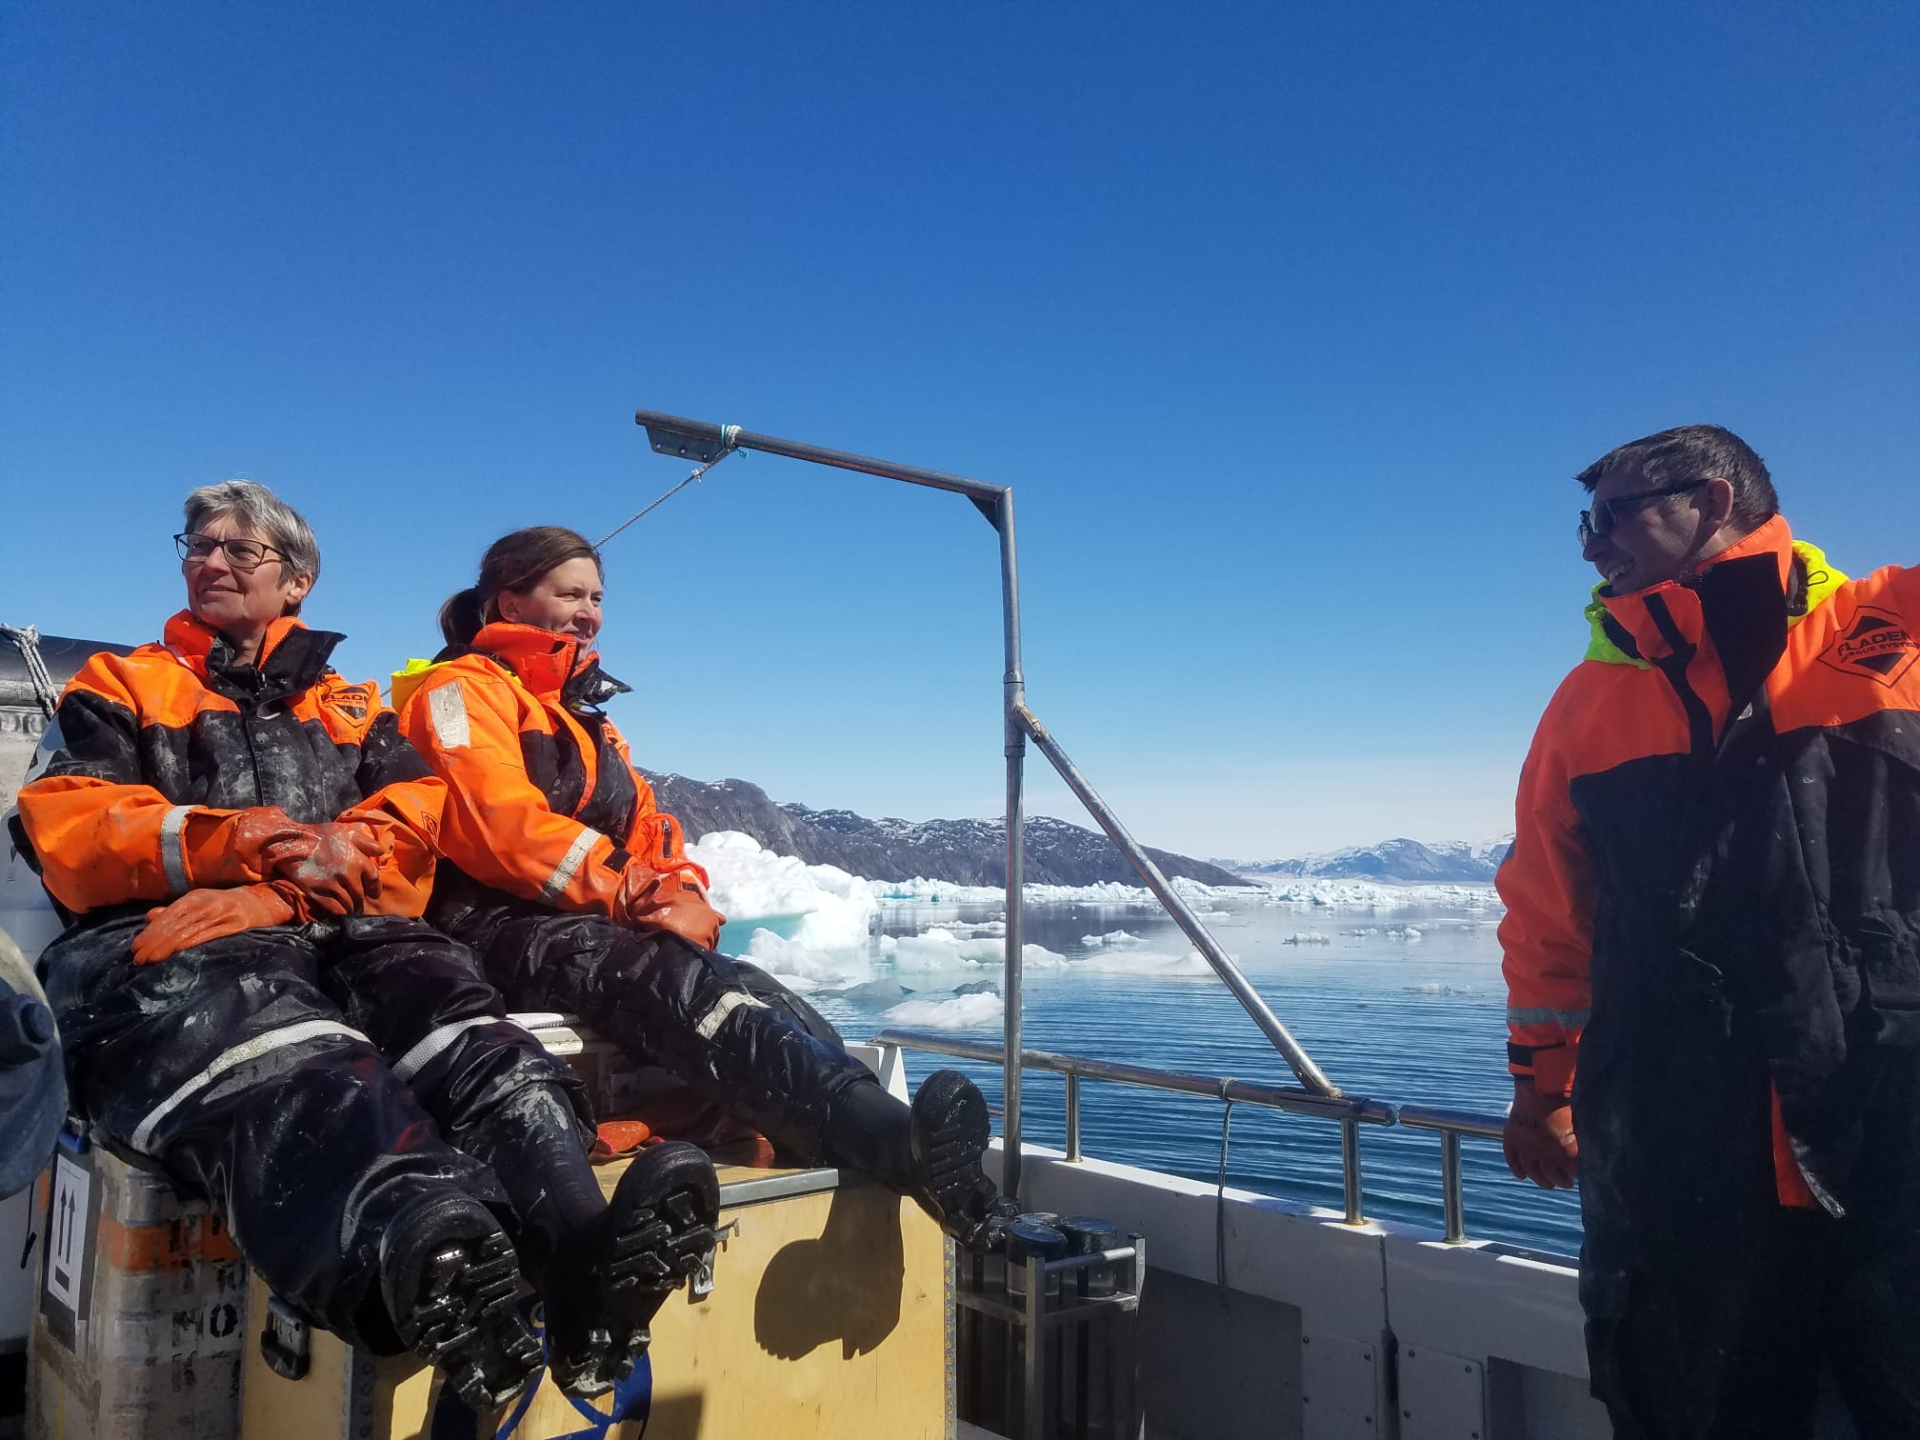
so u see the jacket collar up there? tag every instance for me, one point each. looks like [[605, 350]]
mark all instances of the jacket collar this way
[[1814, 586], [1645, 624], [292, 658], [549, 664]]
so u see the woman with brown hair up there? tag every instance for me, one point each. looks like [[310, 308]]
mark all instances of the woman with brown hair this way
[[579, 896], [242, 844]]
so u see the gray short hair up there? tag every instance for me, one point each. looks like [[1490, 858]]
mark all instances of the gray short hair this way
[[257, 507]]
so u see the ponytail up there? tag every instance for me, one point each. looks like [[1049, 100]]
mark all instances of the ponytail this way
[[462, 616]]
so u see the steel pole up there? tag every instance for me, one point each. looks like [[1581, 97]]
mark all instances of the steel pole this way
[[1016, 748], [1453, 1204], [690, 439], [704, 440], [1309, 1074]]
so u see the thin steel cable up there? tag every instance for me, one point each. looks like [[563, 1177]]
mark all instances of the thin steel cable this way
[[727, 435]]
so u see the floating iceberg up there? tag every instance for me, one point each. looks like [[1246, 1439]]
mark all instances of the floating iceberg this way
[[820, 906], [955, 1012]]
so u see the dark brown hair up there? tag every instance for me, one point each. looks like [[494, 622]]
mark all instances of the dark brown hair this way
[[513, 562], [1696, 452]]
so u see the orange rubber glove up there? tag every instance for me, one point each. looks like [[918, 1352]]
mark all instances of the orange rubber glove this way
[[202, 915], [339, 872], [231, 848], [1539, 1142], [675, 901]]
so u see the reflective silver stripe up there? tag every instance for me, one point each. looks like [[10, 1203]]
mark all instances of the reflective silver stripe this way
[[262, 1044], [173, 848], [711, 1022], [562, 876], [447, 712], [1543, 1015], [438, 1039]]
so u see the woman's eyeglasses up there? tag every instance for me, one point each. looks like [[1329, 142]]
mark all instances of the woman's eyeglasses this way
[[241, 554], [1597, 522]]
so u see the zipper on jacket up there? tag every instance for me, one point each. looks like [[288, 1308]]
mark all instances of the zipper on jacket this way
[[1674, 667]]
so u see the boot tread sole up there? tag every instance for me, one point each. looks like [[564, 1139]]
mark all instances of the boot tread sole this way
[[465, 1321]]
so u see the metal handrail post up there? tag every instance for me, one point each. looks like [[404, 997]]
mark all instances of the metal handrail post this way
[[1350, 1181], [1073, 1116], [1453, 1204], [1016, 748], [1308, 1073]]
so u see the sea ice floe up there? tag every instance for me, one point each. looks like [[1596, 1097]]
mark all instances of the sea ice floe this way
[[1112, 940], [1107, 892], [1321, 894], [803, 968], [954, 1012], [970, 928], [938, 948], [1141, 962], [820, 906]]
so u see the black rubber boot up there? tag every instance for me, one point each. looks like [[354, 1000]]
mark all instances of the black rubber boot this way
[[948, 1131], [532, 1143], [450, 1279], [656, 1230]]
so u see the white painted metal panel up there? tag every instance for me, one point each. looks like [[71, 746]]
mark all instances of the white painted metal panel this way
[[1300, 1255], [1442, 1396], [1516, 1306], [1344, 1388]]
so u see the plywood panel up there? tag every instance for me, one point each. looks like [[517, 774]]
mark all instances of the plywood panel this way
[[828, 1319]]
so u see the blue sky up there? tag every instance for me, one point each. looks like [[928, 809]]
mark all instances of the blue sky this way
[[1288, 325]]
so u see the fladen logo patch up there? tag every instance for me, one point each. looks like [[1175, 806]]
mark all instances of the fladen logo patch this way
[[1877, 645]]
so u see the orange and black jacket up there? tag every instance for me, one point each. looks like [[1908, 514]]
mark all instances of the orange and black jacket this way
[[174, 736], [543, 802], [1713, 898]]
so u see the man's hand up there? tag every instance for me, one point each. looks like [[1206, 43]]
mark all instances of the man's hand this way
[[339, 871], [202, 915], [1539, 1142], [674, 901]]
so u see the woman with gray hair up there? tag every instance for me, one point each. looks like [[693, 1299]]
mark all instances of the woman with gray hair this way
[[335, 1077]]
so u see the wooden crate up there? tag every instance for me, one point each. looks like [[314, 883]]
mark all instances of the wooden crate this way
[[830, 1317], [141, 1308]]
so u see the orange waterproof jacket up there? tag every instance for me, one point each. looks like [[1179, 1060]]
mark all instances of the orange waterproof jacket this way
[[543, 801], [1714, 862], [156, 747]]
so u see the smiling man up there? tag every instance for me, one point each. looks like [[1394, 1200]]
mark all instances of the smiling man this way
[[1712, 950]]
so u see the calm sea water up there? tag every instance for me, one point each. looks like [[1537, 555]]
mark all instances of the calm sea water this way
[[1402, 1004]]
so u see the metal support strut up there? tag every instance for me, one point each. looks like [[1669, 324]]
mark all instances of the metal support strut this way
[[705, 443]]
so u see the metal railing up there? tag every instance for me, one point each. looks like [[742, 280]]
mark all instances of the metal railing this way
[[707, 443], [1350, 1112]]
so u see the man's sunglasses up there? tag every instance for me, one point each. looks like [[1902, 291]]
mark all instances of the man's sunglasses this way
[[241, 554], [1600, 520]]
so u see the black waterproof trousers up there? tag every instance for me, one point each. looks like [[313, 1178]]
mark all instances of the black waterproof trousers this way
[[1714, 1312], [312, 1082], [723, 1026]]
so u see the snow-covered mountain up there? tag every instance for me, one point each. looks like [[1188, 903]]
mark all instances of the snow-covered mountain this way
[[1401, 859], [961, 852]]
